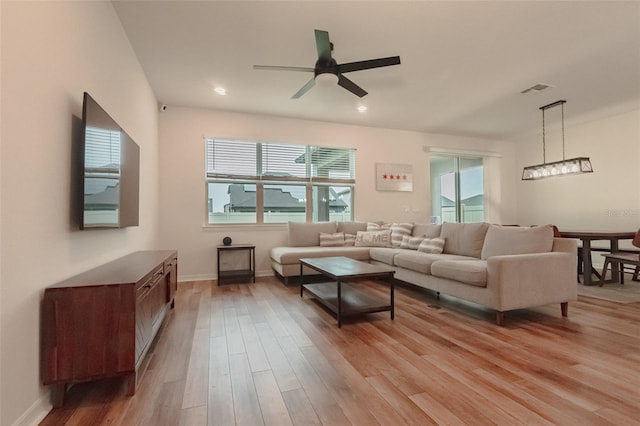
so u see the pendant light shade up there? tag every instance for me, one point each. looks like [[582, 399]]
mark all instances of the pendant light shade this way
[[564, 167]]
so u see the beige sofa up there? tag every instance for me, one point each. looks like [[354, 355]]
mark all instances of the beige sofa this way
[[500, 267]]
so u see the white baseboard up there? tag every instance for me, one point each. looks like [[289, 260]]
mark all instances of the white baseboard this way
[[36, 413], [197, 277], [205, 277]]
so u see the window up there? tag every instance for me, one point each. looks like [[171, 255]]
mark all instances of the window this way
[[457, 189], [263, 182]]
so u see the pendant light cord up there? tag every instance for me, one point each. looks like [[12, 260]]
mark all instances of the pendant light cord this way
[[544, 157], [544, 142], [562, 109]]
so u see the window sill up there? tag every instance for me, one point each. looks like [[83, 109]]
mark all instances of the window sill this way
[[244, 226]]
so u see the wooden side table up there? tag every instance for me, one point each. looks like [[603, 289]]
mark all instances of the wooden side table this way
[[238, 274]]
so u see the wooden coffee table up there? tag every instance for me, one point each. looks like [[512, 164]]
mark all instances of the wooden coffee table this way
[[340, 297]]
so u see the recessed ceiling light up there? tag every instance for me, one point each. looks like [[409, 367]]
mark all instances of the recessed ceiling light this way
[[220, 91], [362, 108]]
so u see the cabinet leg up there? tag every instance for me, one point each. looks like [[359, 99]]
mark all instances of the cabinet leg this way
[[131, 384], [57, 394]]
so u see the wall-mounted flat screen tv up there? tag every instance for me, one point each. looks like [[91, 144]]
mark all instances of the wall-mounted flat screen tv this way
[[111, 171]]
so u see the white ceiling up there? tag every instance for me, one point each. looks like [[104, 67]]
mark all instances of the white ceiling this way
[[463, 67]]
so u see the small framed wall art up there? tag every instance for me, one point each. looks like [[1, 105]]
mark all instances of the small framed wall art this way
[[394, 177]]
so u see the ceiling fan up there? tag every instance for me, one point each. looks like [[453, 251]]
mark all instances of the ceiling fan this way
[[326, 68]]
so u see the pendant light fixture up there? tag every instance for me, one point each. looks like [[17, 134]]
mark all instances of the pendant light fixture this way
[[565, 167]]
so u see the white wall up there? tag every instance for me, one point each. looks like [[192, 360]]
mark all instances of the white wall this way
[[1, 135], [182, 183], [607, 199], [51, 53]]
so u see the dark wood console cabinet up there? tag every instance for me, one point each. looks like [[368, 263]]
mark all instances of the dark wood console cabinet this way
[[101, 323]]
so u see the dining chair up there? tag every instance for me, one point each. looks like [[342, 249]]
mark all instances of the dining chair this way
[[622, 259]]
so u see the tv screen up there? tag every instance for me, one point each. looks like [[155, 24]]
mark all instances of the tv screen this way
[[111, 171]]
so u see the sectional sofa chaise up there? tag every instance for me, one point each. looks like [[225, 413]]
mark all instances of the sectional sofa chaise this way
[[500, 267]]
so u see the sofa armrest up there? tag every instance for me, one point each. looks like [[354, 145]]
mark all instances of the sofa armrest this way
[[528, 280], [566, 245]]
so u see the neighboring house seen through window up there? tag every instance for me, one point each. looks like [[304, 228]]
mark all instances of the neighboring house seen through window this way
[[263, 182]]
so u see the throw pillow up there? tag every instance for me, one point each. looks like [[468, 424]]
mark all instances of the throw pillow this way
[[411, 243], [332, 240], [399, 230], [432, 245], [349, 239], [373, 239], [372, 226]]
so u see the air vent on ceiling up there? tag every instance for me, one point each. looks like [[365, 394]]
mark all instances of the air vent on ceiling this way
[[537, 88]]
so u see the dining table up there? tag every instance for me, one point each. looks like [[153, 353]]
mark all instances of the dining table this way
[[587, 237]]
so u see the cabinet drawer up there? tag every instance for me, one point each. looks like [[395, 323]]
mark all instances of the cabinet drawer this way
[[145, 285]]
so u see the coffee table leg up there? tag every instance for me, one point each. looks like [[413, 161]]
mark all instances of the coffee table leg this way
[[339, 305], [392, 303], [301, 266]]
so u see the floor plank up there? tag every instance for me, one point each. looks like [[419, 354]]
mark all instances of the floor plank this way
[[259, 354]]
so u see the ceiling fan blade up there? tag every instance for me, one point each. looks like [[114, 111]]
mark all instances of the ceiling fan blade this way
[[278, 68], [304, 89], [323, 44], [371, 63], [351, 86]]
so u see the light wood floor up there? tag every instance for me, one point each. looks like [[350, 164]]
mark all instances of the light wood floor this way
[[252, 354]]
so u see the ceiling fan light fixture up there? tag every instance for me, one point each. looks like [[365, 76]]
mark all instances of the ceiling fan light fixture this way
[[327, 72], [327, 79]]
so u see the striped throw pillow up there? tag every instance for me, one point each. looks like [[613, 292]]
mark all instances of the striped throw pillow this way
[[432, 245], [399, 230], [411, 243], [349, 239], [372, 226], [332, 240]]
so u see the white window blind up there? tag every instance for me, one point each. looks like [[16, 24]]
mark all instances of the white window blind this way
[[231, 159], [266, 161]]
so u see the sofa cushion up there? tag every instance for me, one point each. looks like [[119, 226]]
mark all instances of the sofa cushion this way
[[427, 229], [352, 227], [332, 240], [292, 255], [411, 243], [473, 272], [432, 245], [465, 239], [373, 238], [415, 261], [501, 240], [399, 230], [384, 254], [308, 234], [421, 262]]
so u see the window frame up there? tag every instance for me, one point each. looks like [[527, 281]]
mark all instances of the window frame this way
[[309, 181], [459, 212]]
